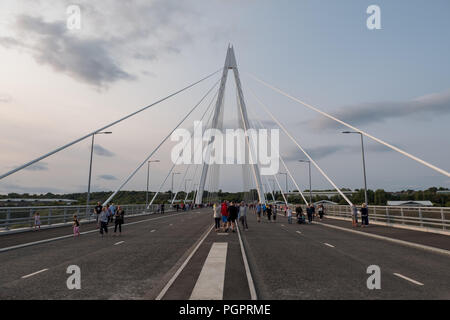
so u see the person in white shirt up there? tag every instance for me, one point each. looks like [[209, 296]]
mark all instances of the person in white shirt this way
[[289, 215]]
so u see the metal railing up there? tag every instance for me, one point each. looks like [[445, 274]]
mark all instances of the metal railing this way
[[421, 217], [23, 217]]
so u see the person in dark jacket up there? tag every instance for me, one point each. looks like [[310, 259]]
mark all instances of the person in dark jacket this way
[[310, 212], [232, 215], [364, 215], [119, 219]]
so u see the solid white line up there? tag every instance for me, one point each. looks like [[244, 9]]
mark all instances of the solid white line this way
[[85, 232], [175, 276], [327, 244], [402, 242], [210, 282], [34, 273], [120, 242], [251, 284], [409, 279]]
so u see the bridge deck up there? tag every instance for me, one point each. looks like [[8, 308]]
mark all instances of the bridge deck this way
[[287, 261]]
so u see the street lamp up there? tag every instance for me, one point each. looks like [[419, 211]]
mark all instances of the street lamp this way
[[310, 191], [171, 189], [364, 164], [90, 170], [148, 179]]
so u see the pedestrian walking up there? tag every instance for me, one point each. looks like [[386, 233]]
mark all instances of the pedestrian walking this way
[[104, 218], [217, 216], [162, 208], [243, 209], [112, 212], [76, 226], [119, 219], [269, 212], [97, 210], [354, 215], [364, 215], [321, 211], [274, 213], [310, 212], [224, 214], [37, 221], [258, 212], [232, 216], [289, 214]]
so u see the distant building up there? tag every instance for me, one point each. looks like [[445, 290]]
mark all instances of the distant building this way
[[411, 203]]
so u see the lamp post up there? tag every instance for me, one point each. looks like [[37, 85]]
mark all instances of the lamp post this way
[[310, 190], [90, 170], [364, 163], [148, 179], [171, 188]]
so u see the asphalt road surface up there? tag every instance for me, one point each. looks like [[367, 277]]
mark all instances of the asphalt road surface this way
[[180, 256]]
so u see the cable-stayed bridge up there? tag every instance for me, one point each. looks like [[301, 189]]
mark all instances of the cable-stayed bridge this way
[[177, 255]]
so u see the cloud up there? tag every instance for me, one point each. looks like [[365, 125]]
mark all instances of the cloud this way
[[11, 187], [100, 151], [433, 105], [112, 34], [5, 98], [107, 177], [39, 166], [51, 43], [324, 151]]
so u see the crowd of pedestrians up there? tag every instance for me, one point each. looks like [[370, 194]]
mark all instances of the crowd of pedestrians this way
[[108, 214]]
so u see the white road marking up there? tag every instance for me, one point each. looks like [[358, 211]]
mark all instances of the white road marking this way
[[120, 242], [210, 282], [34, 273], [177, 273], [408, 279], [170, 224], [85, 232], [222, 234], [402, 242], [282, 225], [327, 244], [153, 230], [251, 284], [299, 232]]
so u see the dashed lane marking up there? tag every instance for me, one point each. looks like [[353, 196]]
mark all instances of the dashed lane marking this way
[[34, 273], [408, 279], [329, 245], [120, 242]]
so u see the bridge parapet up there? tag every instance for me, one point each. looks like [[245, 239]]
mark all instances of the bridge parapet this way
[[23, 217], [418, 218]]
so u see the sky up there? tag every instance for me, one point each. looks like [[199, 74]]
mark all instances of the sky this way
[[58, 84]]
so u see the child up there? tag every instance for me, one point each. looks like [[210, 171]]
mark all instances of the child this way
[[37, 221], [76, 226]]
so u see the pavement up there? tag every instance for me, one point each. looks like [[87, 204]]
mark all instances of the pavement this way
[[180, 256]]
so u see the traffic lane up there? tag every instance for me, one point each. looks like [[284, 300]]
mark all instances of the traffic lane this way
[[235, 284], [12, 239], [426, 238], [106, 269], [286, 265], [425, 267]]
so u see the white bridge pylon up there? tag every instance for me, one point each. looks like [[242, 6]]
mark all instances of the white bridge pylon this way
[[230, 64]]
